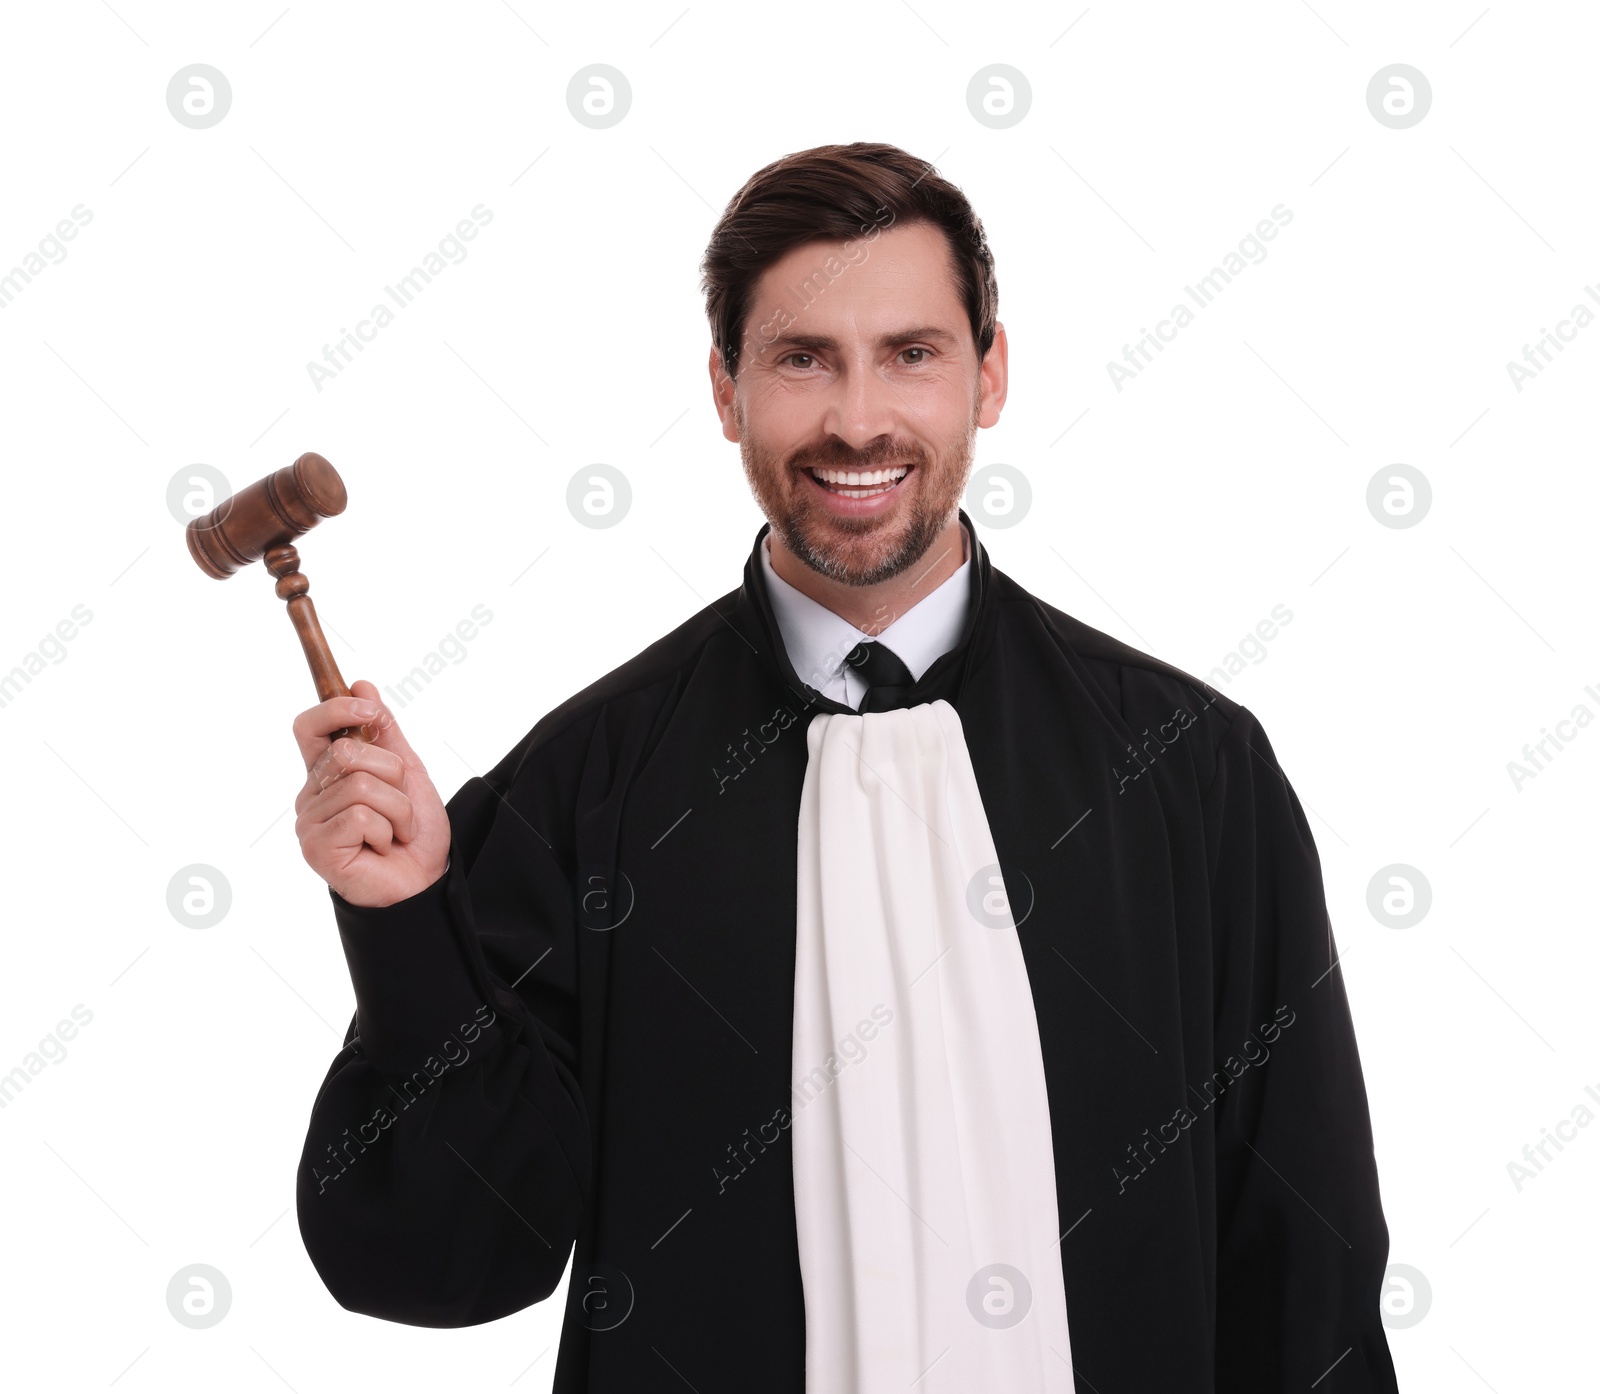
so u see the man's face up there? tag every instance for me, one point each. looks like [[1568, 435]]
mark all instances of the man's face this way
[[878, 372]]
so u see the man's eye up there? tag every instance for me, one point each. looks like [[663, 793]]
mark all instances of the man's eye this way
[[790, 357], [915, 361]]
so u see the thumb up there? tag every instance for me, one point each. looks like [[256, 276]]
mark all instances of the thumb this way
[[384, 728]]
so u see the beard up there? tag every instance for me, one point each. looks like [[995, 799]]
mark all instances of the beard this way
[[858, 551]]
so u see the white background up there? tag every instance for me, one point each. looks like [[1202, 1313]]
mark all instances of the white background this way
[[1229, 477]]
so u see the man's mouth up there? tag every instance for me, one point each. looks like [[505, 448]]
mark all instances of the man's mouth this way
[[860, 484]]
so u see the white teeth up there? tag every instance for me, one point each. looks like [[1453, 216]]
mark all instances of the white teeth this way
[[857, 478]]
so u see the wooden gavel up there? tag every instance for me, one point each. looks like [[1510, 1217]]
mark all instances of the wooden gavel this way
[[259, 523]]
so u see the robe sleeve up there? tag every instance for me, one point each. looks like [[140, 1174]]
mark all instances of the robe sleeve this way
[[1301, 1238], [447, 1160]]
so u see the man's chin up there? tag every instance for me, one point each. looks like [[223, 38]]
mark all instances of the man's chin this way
[[856, 551]]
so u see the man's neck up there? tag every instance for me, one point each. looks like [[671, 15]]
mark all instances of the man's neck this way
[[873, 608]]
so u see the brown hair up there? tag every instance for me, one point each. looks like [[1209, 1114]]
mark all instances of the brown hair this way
[[838, 193]]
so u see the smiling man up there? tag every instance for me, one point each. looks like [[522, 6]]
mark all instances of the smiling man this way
[[883, 981]]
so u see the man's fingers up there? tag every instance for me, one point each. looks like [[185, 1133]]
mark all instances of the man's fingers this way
[[334, 844], [357, 791], [346, 756], [314, 727], [382, 726]]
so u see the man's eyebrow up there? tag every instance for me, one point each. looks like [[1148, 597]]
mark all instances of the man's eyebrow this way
[[827, 343]]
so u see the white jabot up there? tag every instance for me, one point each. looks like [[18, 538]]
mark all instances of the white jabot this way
[[816, 639], [924, 1172]]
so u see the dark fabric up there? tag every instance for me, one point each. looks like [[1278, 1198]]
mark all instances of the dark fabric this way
[[888, 679], [619, 908]]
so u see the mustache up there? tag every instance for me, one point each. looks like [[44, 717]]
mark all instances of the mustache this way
[[837, 454]]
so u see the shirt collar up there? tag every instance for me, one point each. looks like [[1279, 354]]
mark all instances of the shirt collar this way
[[817, 639]]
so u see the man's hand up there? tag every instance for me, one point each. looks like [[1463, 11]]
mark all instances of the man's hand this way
[[369, 820]]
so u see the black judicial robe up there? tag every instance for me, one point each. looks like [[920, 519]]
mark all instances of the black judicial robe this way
[[581, 1034]]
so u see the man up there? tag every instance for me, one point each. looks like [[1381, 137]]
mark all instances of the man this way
[[885, 981]]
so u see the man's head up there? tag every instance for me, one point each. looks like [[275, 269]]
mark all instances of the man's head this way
[[852, 301]]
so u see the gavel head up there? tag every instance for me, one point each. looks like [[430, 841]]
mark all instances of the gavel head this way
[[269, 513]]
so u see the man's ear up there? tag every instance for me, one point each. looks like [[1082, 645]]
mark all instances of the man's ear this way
[[722, 392], [992, 379]]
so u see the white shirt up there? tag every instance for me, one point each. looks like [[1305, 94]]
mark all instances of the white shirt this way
[[817, 639]]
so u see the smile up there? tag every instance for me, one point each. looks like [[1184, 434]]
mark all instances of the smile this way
[[860, 484]]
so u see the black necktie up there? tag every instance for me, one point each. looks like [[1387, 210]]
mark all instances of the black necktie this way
[[885, 675]]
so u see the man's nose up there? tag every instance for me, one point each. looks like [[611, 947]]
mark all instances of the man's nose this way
[[861, 407]]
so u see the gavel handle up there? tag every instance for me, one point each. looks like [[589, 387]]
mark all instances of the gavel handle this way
[[324, 671]]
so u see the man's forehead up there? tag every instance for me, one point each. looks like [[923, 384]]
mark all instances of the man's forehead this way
[[899, 278]]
